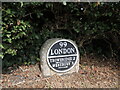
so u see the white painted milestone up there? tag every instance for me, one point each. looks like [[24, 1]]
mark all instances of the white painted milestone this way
[[59, 56]]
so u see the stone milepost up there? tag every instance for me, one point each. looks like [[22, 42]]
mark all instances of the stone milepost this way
[[62, 56], [59, 56]]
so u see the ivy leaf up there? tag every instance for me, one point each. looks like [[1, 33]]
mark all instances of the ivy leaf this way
[[110, 13], [9, 40], [1, 46], [1, 56], [21, 4]]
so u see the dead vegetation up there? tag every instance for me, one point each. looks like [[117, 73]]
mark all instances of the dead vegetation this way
[[93, 73]]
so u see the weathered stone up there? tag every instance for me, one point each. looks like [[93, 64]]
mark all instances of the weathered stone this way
[[64, 52]]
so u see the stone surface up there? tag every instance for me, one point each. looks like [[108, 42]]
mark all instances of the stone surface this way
[[45, 68]]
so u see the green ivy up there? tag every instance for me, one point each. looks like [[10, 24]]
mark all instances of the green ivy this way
[[27, 25]]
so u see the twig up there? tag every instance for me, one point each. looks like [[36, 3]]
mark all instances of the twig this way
[[21, 68]]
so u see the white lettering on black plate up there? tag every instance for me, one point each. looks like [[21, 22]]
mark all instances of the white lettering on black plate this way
[[62, 56]]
